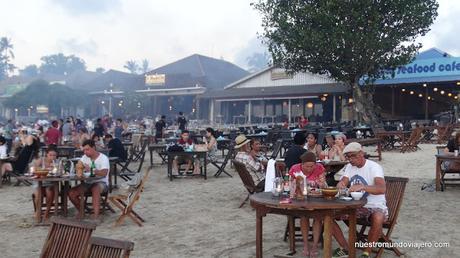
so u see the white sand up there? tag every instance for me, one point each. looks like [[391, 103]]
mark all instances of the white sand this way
[[198, 218]]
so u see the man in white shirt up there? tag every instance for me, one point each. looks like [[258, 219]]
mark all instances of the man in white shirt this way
[[365, 176], [97, 186]]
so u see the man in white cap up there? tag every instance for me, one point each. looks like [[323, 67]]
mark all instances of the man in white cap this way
[[363, 176], [250, 160]]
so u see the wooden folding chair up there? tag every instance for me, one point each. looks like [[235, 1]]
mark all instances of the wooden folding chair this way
[[67, 238], [221, 164], [109, 248], [395, 187], [248, 182], [276, 149], [125, 172], [126, 202], [414, 140]]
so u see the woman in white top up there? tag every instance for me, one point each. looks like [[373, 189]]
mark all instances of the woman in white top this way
[[3, 147]]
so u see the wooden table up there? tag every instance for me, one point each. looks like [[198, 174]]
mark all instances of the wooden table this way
[[194, 154], [160, 149], [65, 180], [391, 138], [265, 203], [439, 159]]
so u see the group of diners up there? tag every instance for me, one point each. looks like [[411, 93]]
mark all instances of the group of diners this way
[[360, 174], [191, 161]]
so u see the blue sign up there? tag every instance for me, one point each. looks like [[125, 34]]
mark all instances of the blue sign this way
[[429, 68]]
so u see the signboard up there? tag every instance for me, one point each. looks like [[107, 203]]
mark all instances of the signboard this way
[[279, 74], [428, 68], [42, 109], [155, 79]]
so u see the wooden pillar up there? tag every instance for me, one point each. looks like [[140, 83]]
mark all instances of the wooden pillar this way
[[334, 107], [211, 111], [392, 101], [426, 102], [249, 111], [289, 111]]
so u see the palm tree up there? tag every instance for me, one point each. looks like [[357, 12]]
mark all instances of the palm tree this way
[[6, 55], [131, 66]]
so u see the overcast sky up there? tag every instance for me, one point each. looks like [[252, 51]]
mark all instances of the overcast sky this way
[[107, 33]]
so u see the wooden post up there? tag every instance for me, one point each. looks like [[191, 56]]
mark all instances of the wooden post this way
[[392, 101], [333, 108], [426, 102], [289, 111]]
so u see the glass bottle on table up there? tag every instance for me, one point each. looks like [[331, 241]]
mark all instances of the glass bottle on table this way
[[92, 169]]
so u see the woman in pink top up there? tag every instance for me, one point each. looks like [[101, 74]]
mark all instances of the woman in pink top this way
[[314, 172]]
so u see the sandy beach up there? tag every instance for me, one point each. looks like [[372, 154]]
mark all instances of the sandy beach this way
[[201, 218]]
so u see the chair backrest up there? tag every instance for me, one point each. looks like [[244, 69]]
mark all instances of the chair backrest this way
[[134, 196], [395, 187], [109, 248], [415, 136], [276, 149], [245, 176], [230, 154], [67, 238]]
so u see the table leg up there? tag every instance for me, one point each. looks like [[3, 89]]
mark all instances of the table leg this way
[[115, 170], [259, 218], [170, 167], [379, 150], [352, 234], [65, 194], [205, 166], [291, 234], [151, 157], [438, 174], [38, 202], [56, 197], [327, 235], [82, 206]]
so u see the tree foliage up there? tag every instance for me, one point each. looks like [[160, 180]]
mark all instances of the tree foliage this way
[[61, 64], [6, 56], [131, 66], [55, 96], [29, 71], [345, 39]]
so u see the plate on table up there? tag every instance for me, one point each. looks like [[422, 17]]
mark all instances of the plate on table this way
[[346, 198]]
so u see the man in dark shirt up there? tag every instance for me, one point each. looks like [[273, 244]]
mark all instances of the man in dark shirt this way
[[181, 121], [99, 128], [295, 151], [115, 147], [159, 128]]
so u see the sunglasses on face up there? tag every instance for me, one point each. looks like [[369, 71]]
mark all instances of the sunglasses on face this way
[[351, 156]]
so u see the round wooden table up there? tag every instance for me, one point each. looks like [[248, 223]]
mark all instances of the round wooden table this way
[[65, 180], [265, 203]]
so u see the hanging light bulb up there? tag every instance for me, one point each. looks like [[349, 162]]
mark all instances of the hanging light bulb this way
[[442, 92], [411, 92], [403, 90], [435, 89], [420, 95]]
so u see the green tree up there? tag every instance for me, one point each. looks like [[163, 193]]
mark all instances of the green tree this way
[[54, 96], [258, 61], [131, 66], [29, 71], [61, 64], [100, 70], [347, 40], [6, 55], [145, 66]]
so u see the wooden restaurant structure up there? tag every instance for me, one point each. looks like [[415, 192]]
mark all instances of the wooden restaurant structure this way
[[273, 96], [427, 86]]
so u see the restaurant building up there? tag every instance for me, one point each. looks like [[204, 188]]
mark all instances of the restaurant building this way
[[274, 96], [427, 86]]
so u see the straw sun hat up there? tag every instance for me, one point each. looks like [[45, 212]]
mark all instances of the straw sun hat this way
[[240, 141]]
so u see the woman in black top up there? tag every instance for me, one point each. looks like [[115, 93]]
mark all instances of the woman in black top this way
[[29, 151], [452, 145], [293, 154]]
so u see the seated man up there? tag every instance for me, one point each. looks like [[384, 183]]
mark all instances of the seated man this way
[[115, 147], [96, 187], [294, 152], [249, 158], [185, 142], [363, 175]]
